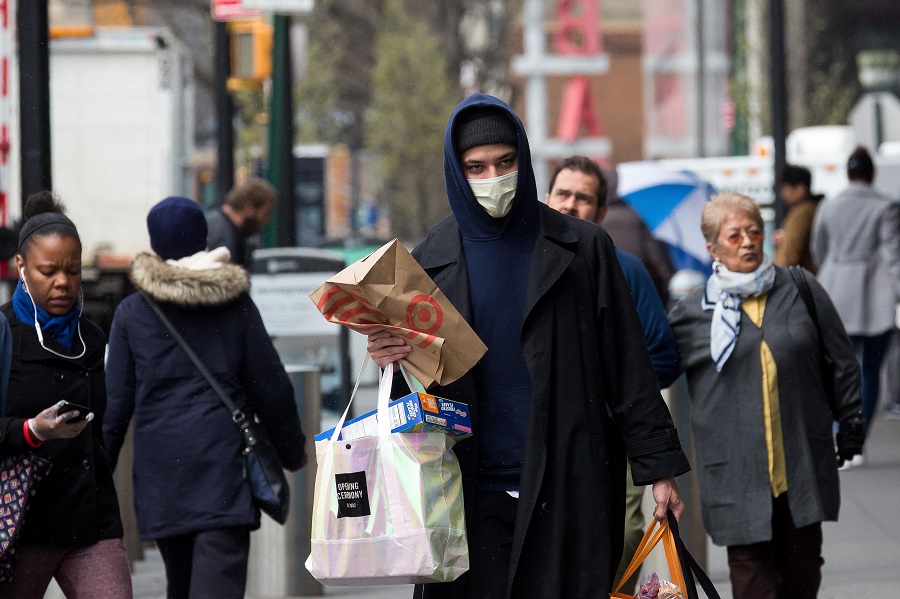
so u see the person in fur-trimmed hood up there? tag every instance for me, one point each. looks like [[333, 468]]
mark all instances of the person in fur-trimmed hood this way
[[190, 491]]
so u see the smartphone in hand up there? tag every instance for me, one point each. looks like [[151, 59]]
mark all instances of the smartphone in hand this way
[[68, 406]]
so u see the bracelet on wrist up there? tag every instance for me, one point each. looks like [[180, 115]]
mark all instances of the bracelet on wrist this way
[[31, 437]]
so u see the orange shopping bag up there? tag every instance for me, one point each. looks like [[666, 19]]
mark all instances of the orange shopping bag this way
[[682, 566]]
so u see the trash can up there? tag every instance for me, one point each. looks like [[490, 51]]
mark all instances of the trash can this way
[[277, 553]]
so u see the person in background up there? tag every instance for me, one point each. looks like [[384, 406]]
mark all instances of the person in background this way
[[892, 409], [237, 223], [72, 532], [629, 232], [762, 410], [566, 387], [191, 493], [856, 245], [578, 188], [792, 240]]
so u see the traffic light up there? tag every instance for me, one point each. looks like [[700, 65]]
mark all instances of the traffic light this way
[[251, 53]]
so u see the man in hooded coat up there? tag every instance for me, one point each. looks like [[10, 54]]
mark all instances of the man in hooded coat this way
[[566, 387]]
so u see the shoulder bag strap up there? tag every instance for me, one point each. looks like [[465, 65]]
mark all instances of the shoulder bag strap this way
[[805, 293], [826, 363], [690, 567], [237, 415], [807, 296]]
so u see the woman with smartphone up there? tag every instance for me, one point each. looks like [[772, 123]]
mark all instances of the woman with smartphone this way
[[55, 403]]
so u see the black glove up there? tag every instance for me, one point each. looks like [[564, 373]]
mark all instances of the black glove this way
[[850, 439]]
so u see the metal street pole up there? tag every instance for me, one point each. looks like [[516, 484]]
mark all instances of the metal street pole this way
[[701, 81], [224, 112], [536, 91], [779, 100], [281, 133], [34, 96]]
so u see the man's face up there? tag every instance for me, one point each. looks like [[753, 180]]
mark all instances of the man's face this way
[[577, 194], [255, 217], [793, 193], [492, 160]]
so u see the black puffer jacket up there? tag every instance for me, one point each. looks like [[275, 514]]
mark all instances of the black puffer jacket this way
[[188, 467]]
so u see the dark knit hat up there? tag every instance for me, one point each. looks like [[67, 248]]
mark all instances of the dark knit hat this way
[[177, 228], [483, 125]]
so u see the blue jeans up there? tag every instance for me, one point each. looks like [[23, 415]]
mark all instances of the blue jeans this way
[[870, 352]]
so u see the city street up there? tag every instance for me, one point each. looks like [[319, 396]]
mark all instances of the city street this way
[[860, 550]]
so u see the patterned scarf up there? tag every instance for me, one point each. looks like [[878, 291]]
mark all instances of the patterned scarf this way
[[724, 290]]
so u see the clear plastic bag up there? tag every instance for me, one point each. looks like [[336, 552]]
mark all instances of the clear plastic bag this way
[[654, 588]]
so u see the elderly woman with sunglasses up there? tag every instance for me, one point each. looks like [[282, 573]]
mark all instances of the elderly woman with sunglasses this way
[[762, 410]]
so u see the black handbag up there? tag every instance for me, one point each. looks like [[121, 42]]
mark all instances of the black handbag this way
[[19, 474], [268, 484]]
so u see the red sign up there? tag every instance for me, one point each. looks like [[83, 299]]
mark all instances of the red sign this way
[[7, 56], [728, 114], [578, 35], [230, 10]]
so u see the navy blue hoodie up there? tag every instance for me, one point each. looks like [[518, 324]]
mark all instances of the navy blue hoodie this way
[[498, 255]]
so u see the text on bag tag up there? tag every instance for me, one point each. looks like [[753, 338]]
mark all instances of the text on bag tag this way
[[352, 495]]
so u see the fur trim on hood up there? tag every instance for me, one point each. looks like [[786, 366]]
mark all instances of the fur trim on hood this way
[[176, 284]]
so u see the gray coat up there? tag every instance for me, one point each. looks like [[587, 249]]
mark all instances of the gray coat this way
[[727, 411], [855, 242]]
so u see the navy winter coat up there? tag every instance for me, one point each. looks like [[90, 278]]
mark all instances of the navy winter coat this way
[[189, 473]]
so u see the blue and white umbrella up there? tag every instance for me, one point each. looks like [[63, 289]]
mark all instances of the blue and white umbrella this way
[[670, 202]]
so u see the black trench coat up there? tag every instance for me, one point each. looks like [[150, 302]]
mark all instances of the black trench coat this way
[[593, 384]]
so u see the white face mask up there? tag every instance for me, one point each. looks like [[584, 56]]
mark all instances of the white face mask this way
[[496, 194]]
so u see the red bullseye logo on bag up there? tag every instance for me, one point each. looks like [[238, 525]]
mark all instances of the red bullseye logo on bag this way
[[424, 314], [352, 495], [349, 308]]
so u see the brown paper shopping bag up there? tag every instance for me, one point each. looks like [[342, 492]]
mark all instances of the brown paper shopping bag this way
[[389, 290]]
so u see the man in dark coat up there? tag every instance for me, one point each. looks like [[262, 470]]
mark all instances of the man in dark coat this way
[[565, 388], [237, 223]]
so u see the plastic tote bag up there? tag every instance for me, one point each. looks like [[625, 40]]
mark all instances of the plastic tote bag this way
[[682, 565], [388, 509]]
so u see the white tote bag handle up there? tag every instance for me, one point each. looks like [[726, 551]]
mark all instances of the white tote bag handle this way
[[398, 516]]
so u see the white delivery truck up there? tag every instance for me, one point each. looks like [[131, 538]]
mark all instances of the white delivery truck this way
[[823, 150], [121, 109]]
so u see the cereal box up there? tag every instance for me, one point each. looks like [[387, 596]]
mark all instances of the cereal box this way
[[414, 413]]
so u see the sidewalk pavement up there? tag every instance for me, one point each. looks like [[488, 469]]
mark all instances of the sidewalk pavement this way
[[861, 550]]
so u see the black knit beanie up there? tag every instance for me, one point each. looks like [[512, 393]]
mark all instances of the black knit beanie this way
[[483, 125]]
